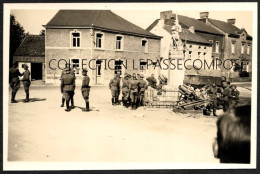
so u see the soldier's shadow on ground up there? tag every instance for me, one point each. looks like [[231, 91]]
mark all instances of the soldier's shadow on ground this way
[[32, 100], [90, 109]]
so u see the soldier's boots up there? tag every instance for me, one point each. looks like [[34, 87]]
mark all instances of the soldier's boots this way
[[113, 103], [72, 103], [67, 106], [87, 107], [27, 97], [13, 97], [116, 101], [62, 102], [133, 107], [214, 112]]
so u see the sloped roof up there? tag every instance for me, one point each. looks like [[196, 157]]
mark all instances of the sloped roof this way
[[188, 35], [187, 22], [102, 19], [224, 26], [32, 45]]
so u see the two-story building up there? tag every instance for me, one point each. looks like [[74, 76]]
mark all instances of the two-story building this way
[[200, 41], [237, 46], [100, 41]]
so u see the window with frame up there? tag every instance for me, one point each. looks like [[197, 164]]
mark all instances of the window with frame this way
[[144, 46], [75, 65], [217, 47], [119, 42], [75, 39], [233, 47], [242, 48], [118, 67], [248, 49], [98, 66], [99, 38], [143, 66]]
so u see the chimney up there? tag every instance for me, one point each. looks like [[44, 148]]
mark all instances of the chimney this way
[[166, 15], [231, 21], [204, 15]]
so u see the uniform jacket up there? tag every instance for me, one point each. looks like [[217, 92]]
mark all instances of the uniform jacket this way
[[26, 75], [114, 84], [85, 83], [226, 94], [13, 75], [234, 95], [142, 85], [133, 84], [67, 82]]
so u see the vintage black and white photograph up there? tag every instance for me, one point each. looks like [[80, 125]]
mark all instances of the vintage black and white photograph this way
[[129, 86]]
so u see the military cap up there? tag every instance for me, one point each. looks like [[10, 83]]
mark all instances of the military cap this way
[[84, 70], [141, 75], [134, 74], [24, 66]]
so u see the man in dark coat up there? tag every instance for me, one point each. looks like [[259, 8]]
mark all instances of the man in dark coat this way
[[14, 81], [26, 81], [67, 87], [85, 88]]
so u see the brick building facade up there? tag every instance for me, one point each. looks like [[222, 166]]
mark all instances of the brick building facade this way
[[100, 41]]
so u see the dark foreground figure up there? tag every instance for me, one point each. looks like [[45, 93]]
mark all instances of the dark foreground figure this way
[[232, 144]]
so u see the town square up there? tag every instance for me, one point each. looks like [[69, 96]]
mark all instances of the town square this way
[[97, 85]]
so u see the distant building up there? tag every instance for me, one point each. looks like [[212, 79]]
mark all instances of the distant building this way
[[200, 41], [32, 52], [237, 46], [108, 40]]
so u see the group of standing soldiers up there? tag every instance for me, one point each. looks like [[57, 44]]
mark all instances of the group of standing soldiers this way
[[225, 95], [14, 81], [133, 89], [68, 87]]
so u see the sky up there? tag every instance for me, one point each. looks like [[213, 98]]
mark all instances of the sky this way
[[32, 20]]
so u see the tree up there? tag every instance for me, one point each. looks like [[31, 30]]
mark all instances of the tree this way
[[17, 34]]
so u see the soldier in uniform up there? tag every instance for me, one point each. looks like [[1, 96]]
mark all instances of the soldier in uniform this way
[[125, 89], [133, 86], [114, 87], [72, 99], [234, 96], [152, 81], [142, 87], [67, 87], [212, 91], [225, 96], [26, 81], [14, 81], [118, 91], [85, 88]]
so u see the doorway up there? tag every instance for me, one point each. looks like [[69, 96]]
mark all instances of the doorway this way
[[36, 71]]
